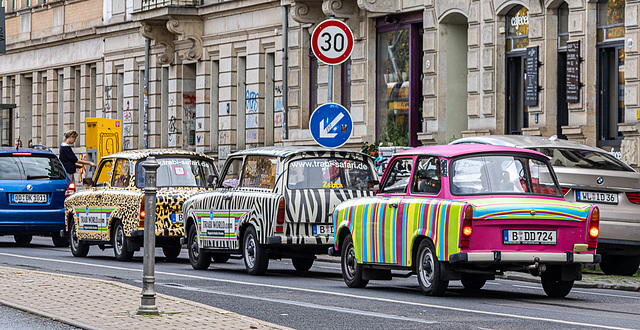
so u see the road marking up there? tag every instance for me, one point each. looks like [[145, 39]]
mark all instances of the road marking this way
[[303, 304], [578, 291], [349, 295]]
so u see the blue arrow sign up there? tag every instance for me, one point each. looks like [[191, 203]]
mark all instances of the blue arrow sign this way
[[331, 125]]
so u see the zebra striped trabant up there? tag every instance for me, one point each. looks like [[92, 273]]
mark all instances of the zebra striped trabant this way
[[274, 202]]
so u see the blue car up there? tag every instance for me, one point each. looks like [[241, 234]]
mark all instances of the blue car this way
[[33, 187]]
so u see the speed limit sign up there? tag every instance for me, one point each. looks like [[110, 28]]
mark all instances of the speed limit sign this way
[[332, 42]]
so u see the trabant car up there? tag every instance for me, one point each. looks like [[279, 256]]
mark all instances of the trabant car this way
[[110, 212], [466, 212], [274, 202], [33, 186]]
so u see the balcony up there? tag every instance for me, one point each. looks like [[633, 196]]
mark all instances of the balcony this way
[[154, 4]]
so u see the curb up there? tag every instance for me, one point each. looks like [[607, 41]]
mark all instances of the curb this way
[[50, 316]]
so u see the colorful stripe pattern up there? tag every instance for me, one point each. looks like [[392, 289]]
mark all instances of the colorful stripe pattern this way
[[93, 219], [385, 233], [219, 225], [522, 208]]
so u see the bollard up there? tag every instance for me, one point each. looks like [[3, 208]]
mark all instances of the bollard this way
[[148, 299]]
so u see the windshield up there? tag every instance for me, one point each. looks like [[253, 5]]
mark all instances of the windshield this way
[[31, 167], [176, 171], [501, 174], [331, 173], [583, 159]]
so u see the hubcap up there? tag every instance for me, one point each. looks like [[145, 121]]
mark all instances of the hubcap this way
[[426, 267], [74, 238], [119, 241], [195, 249], [249, 250], [351, 261]]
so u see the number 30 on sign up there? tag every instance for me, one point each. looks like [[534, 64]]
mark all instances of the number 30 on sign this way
[[332, 42]]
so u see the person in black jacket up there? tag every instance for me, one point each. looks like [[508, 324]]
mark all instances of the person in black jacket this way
[[68, 158]]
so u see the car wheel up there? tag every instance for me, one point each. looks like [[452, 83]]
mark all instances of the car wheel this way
[[302, 264], [612, 264], [59, 241], [198, 258], [172, 250], [472, 284], [351, 269], [120, 243], [220, 257], [78, 247], [23, 239], [429, 270], [255, 257], [554, 287]]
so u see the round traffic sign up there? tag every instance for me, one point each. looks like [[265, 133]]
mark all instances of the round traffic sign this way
[[332, 41], [331, 125]]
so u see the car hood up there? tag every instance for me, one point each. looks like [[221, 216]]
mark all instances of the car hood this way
[[582, 177], [528, 209]]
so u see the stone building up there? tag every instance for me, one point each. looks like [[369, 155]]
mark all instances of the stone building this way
[[422, 72]]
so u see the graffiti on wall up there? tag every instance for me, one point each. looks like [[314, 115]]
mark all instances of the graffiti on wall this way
[[172, 125], [251, 101], [107, 98]]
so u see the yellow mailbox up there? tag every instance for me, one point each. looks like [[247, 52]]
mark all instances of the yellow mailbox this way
[[104, 137]]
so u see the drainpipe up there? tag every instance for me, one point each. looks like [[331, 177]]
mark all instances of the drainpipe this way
[[285, 73]]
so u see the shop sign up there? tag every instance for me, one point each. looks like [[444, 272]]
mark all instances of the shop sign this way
[[520, 20], [531, 87], [573, 71]]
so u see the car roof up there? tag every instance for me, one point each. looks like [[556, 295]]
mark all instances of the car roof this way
[[10, 150], [286, 151], [451, 151], [143, 153], [523, 141]]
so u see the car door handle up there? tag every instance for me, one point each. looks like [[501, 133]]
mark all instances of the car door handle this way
[[394, 205]]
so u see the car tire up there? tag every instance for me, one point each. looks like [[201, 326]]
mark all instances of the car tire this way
[[472, 284], [429, 270], [351, 269], [172, 250], [302, 264], [554, 287], [23, 239], [612, 264], [59, 241], [120, 243], [78, 247], [199, 259], [255, 257], [220, 258]]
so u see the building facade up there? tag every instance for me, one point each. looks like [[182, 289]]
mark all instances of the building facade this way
[[422, 71]]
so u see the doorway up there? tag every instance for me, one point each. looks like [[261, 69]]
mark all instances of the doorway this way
[[563, 109], [610, 94], [517, 113]]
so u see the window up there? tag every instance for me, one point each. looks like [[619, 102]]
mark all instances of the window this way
[[103, 176], [426, 179], [260, 172], [31, 168], [611, 20], [121, 174], [231, 177], [177, 171], [331, 173], [563, 25], [583, 159], [398, 177], [517, 28]]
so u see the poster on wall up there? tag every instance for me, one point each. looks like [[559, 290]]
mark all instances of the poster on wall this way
[[573, 71], [531, 86]]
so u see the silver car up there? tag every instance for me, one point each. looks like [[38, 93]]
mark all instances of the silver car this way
[[590, 174]]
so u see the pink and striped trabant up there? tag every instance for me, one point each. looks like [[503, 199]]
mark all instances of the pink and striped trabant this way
[[466, 212]]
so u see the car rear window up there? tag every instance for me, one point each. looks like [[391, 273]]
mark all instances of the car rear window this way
[[329, 173], [31, 167], [180, 172], [583, 159]]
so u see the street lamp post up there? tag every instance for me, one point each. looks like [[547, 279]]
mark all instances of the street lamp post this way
[[148, 299]]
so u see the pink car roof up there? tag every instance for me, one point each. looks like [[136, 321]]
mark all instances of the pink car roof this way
[[450, 151]]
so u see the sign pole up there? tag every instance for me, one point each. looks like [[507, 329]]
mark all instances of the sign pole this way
[[330, 96], [148, 299]]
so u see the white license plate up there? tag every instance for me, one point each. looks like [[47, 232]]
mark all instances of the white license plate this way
[[177, 218], [518, 236], [30, 198], [323, 229], [597, 197]]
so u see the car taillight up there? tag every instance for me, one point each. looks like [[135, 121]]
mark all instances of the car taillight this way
[[280, 218], [594, 228], [634, 197], [142, 213], [564, 190], [466, 226], [71, 189]]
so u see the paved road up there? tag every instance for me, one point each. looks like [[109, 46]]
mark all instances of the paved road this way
[[319, 299], [17, 320]]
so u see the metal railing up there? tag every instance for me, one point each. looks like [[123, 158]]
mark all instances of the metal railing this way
[[153, 4]]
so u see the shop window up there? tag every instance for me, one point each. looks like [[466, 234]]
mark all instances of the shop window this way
[[518, 28], [610, 20]]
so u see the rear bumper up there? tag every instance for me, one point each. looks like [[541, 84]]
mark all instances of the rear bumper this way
[[522, 257], [31, 221], [300, 240]]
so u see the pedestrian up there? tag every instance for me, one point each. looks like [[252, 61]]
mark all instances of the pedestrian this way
[[18, 143], [68, 157]]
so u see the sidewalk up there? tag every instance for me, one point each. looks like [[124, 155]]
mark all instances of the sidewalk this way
[[97, 304]]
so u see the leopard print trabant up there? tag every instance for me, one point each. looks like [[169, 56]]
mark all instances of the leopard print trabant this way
[[123, 203]]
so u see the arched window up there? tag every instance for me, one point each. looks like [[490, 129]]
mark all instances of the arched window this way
[[563, 25], [517, 28]]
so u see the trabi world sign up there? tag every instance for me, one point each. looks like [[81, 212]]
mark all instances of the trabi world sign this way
[[331, 125]]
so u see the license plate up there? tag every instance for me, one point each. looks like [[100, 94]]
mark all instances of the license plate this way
[[30, 198], [177, 218], [518, 236], [597, 197], [323, 230]]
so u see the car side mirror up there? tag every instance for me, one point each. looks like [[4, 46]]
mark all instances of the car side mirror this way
[[87, 182], [374, 185]]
